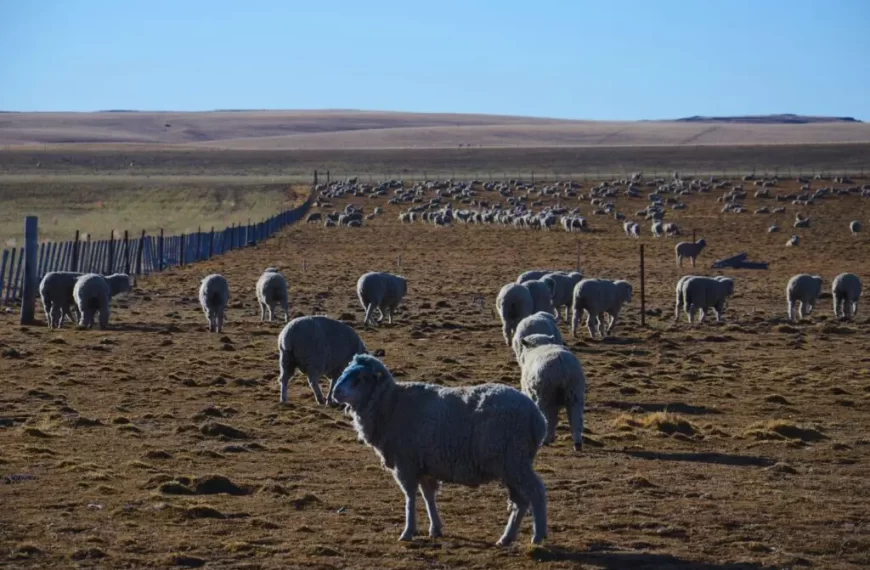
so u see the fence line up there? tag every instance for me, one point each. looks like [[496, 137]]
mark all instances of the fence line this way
[[137, 256]]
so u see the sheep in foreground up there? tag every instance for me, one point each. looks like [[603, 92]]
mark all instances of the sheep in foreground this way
[[92, 294], [214, 295], [56, 292], [542, 296], [804, 289], [272, 291], [562, 288], [381, 291], [855, 227], [680, 290], [702, 293], [427, 434], [553, 377], [846, 290], [537, 323], [318, 346], [689, 249], [514, 303], [597, 297]]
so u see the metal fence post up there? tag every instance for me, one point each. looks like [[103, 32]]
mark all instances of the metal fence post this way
[[28, 293]]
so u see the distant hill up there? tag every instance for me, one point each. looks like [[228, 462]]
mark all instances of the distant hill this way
[[784, 119], [336, 129]]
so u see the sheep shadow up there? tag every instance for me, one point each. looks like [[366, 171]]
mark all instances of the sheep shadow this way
[[141, 328], [611, 560], [675, 407], [713, 458]]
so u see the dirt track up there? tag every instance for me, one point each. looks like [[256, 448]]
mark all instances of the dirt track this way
[[108, 441]]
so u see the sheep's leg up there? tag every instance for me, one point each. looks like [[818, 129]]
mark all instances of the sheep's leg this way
[[836, 307], [314, 382], [287, 368], [810, 307], [791, 305], [551, 414], [690, 313], [370, 312], [271, 308], [262, 312], [518, 506], [380, 314], [220, 321], [702, 312], [677, 310], [693, 261], [104, 318], [409, 485], [284, 305], [429, 488], [390, 315], [855, 309], [575, 419], [507, 331], [532, 489], [847, 309], [719, 309], [592, 324], [800, 310], [613, 318], [575, 320]]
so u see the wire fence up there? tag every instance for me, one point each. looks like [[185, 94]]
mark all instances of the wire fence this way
[[139, 254]]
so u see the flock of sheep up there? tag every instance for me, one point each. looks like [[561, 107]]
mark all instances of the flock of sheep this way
[[427, 434]]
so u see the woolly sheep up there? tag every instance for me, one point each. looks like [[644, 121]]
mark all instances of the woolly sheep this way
[[214, 294], [561, 285], [272, 291], [537, 323], [381, 291], [92, 294], [427, 434], [792, 241], [553, 377], [702, 293], [514, 303], [318, 346], [679, 290], [596, 297], [56, 292], [689, 249], [542, 296], [846, 290], [855, 227], [804, 289]]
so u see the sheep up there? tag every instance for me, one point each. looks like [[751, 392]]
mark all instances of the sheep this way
[[562, 288], [846, 290], [657, 229], [680, 290], [56, 292], [532, 275], [804, 289], [854, 227], [773, 229], [596, 297], [671, 229], [381, 291], [802, 222], [553, 377], [702, 293], [118, 283], [314, 217], [214, 294], [792, 241], [542, 296], [514, 303], [537, 323], [689, 249], [318, 346], [92, 294], [427, 434], [272, 290]]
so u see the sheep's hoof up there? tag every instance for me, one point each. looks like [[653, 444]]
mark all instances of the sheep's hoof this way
[[435, 533], [407, 536], [578, 446], [504, 541]]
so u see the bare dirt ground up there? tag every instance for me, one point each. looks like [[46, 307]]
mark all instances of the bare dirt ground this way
[[347, 129], [734, 445]]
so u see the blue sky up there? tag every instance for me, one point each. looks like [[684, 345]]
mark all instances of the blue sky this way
[[611, 60]]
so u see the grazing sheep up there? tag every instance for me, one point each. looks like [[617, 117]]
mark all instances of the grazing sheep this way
[[92, 294], [792, 241], [214, 294], [542, 296], [314, 217], [318, 346], [381, 291], [702, 293], [773, 229], [271, 291], [804, 289], [561, 285], [855, 227], [427, 434], [689, 249], [679, 290], [671, 229], [802, 222], [537, 323], [657, 229], [56, 292], [514, 303], [846, 290], [553, 377], [597, 297]]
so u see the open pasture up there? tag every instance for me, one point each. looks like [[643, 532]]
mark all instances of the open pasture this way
[[741, 444]]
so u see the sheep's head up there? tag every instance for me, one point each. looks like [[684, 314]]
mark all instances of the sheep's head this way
[[702, 243], [534, 340], [727, 285], [362, 376], [551, 283], [625, 290]]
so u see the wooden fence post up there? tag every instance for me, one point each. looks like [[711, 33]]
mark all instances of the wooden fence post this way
[[126, 253], [28, 294], [642, 290], [75, 254], [110, 259], [198, 255], [3, 272], [160, 251], [139, 254], [211, 244], [181, 250]]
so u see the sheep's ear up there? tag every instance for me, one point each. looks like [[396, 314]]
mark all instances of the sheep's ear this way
[[525, 342]]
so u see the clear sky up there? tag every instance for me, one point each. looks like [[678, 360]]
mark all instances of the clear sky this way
[[604, 59]]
